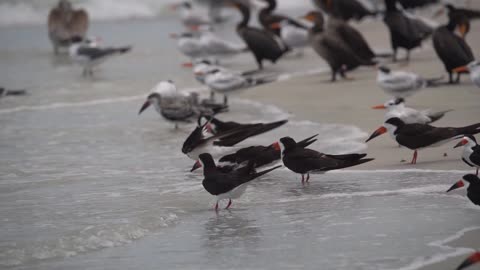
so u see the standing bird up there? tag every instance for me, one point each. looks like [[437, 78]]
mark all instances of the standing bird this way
[[337, 53], [227, 185], [262, 156], [471, 151], [474, 69], [344, 9], [215, 46], [452, 49], [473, 190], [263, 44], [401, 84], [190, 45], [396, 108], [305, 161], [405, 32], [472, 259], [419, 136], [90, 56], [64, 23], [177, 107]]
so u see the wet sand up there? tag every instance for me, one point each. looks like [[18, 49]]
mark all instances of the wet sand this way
[[350, 102]]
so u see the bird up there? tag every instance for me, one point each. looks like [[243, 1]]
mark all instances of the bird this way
[[419, 136], [215, 46], [337, 53], [262, 156], [344, 9], [412, 4], [12, 92], [189, 44], [225, 82], [472, 259], [215, 126], [471, 151], [190, 16], [467, 14], [405, 32], [262, 44], [402, 84], [473, 190], [396, 108], [177, 106], [474, 69], [452, 49], [228, 185], [267, 18], [90, 56], [65, 22], [305, 161], [294, 35]]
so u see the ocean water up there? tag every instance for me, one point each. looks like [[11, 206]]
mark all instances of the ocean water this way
[[86, 183]]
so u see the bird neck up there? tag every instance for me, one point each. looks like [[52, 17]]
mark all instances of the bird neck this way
[[391, 5], [272, 4], [451, 25], [245, 17]]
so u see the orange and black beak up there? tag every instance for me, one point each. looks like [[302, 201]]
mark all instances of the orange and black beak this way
[[378, 132], [379, 107], [196, 166], [472, 259], [309, 17], [144, 106], [461, 143], [276, 146], [461, 69], [275, 26], [458, 184]]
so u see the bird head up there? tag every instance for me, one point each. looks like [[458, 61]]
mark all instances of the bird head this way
[[467, 140]]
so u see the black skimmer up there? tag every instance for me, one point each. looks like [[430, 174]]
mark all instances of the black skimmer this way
[[263, 44], [396, 108], [65, 22], [471, 151], [418, 136], [405, 32], [337, 53], [474, 69], [306, 161], [12, 92], [226, 82], [89, 56], [473, 190], [402, 84], [216, 126], [227, 185], [472, 259], [345, 9], [177, 106], [190, 16], [262, 156], [452, 49]]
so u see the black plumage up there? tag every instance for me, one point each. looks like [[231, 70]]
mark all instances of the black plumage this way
[[344, 9], [473, 190]]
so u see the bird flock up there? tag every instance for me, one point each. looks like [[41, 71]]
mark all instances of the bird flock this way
[[328, 32]]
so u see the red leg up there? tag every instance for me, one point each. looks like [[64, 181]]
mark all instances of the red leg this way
[[308, 177], [216, 207], [414, 159], [303, 179], [229, 204]]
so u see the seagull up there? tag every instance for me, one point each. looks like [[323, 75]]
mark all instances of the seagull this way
[[178, 106], [401, 84], [11, 92], [214, 46], [262, 156], [228, 185], [189, 16], [419, 136], [88, 54], [225, 82], [396, 108], [306, 161], [189, 44], [471, 151], [474, 69], [64, 22], [473, 190]]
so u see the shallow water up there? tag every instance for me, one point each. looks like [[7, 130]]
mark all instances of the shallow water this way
[[86, 183]]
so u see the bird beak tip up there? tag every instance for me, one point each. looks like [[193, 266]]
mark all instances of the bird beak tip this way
[[381, 130], [458, 184]]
